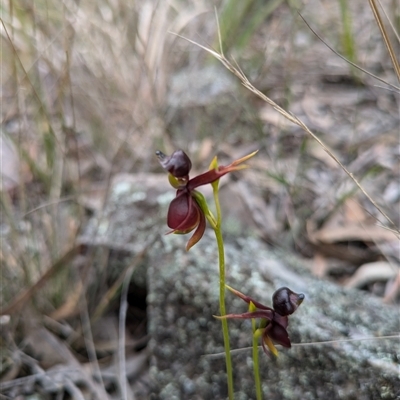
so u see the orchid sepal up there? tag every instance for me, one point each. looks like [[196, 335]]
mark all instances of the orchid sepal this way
[[248, 299], [252, 307], [214, 166], [214, 174], [245, 158], [198, 234], [247, 315]]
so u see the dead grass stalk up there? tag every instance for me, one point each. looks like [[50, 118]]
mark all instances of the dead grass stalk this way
[[235, 70], [385, 37]]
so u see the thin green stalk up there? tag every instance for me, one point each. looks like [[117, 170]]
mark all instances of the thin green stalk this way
[[256, 365], [222, 308], [348, 43], [347, 34]]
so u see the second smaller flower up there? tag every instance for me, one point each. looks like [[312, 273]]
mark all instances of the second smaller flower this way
[[274, 321]]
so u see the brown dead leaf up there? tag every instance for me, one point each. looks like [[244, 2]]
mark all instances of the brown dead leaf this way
[[353, 211], [347, 252], [392, 290], [350, 212], [319, 266], [352, 232], [372, 272], [267, 114]]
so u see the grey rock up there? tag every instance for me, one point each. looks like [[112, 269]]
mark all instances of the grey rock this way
[[186, 339], [196, 87]]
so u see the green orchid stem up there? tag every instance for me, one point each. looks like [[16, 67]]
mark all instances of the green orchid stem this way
[[222, 308], [256, 365]]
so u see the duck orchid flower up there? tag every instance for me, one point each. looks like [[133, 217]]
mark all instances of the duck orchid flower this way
[[274, 321], [189, 210]]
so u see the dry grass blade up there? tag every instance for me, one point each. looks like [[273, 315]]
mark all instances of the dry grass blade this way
[[347, 60], [24, 297], [73, 390], [126, 279], [90, 348], [385, 37], [123, 380], [291, 117], [34, 91], [390, 22], [323, 343]]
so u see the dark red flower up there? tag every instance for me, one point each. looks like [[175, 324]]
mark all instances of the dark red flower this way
[[274, 321], [178, 164], [187, 212]]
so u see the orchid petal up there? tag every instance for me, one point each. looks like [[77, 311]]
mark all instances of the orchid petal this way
[[267, 314], [279, 335], [214, 163], [252, 307], [211, 176], [214, 166], [216, 173], [199, 232], [205, 178], [258, 332], [270, 345], [245, 158], [281, 320], [248, 299]]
